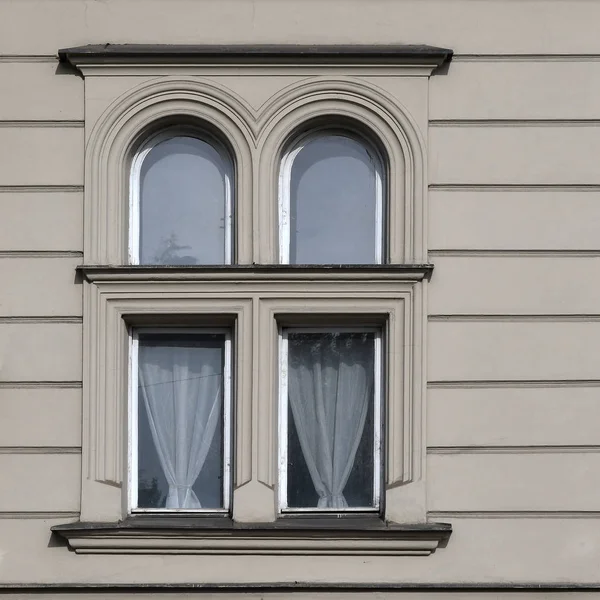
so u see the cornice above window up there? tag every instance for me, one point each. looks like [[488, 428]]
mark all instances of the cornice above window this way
[[416, 55]]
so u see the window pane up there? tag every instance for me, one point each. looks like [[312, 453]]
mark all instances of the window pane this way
[[180, 420], [183, 204], [333, 203], [331, 429]]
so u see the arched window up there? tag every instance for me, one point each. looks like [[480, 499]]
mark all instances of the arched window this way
[[181, 201], [331, 201]]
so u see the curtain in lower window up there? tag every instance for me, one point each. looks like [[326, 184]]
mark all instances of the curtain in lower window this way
[[181, 388], [330, 386]]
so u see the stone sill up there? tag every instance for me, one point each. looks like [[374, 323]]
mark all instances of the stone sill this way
[[287, 536], [254, 273]]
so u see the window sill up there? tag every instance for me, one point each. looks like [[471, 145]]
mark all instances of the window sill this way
[[287, 536], [253, 273]]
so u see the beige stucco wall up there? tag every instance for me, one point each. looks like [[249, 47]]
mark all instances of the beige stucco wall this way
[[514, 302]]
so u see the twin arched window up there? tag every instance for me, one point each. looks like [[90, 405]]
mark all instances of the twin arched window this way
[[331, 201]]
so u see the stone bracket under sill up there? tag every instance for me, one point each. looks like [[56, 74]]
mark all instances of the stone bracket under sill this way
[[339, 537]]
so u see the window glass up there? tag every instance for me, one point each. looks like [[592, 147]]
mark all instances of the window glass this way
[[184, 204], [334, 204], [332, 420], [181, 403]]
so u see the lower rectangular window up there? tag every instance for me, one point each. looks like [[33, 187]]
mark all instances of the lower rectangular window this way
[[330, 419], [180, 446]]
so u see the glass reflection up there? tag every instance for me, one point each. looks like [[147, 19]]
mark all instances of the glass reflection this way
[[184, 187], [334, 199]]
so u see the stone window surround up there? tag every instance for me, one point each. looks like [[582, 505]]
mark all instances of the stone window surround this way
[[257, 295]]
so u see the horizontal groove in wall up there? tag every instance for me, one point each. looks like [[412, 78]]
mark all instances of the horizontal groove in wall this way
[[514, 187], [516, 318], [25, 189], [566, 449], [36, 385], [514, 122], [40, 449], [28, 58], [521, 514], [296, 587], [514, 384], [41, 254], [459, 252], [42, 123], [34, 320], [462, 57], [39, 515], [466, 57], [15, 189]]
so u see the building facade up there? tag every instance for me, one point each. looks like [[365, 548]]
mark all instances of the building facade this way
[[298, 299]]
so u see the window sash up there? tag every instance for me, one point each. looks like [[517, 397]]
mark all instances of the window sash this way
[[135, 190], [285, 188], [283, 419], [132, 470]]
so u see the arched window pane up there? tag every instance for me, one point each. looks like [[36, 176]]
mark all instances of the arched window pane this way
[[184, 214], [335, 203]]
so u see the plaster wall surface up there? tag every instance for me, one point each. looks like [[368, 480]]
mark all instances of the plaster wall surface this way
[[513, 130]]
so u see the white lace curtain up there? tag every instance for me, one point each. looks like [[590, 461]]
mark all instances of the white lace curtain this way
[[330, 388], [182, 391]]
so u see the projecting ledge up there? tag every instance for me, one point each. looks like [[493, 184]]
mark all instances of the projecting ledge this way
[[254, 273], [103, 54], [165, 535]]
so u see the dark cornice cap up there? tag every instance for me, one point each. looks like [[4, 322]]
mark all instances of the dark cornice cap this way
[[285, 53]]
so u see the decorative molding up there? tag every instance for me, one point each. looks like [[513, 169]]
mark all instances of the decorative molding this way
[[348, 102], [255, 138], [112, 308], [320, 539], [400, 314], [129, 120], [254, 301]]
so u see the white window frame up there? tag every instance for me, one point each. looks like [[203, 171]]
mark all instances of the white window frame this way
[[284, 193], [132, 462], [378, 395], [135, 187]]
